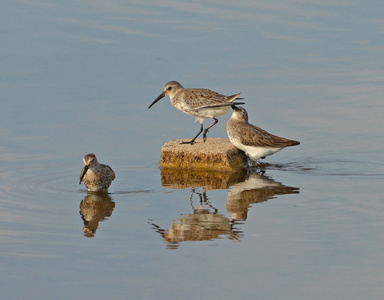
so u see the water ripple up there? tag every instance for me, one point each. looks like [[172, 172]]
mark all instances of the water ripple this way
[[24, 182], [330, 167]]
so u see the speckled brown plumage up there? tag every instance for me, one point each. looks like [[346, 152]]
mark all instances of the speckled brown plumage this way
[[96, 177]]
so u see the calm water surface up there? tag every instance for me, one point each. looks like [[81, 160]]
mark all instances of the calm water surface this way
[[77, 77]]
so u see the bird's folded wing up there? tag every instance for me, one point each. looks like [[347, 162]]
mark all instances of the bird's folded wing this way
[[255, 136], [218, 105]]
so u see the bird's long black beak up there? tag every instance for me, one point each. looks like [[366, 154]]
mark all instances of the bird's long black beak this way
[[157, 99], [82, 175], [234, 107]]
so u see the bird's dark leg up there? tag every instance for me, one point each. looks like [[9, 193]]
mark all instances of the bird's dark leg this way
[[206, 130], [193, 140]]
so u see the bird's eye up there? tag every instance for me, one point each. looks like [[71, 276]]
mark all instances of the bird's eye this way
[[169, 88]]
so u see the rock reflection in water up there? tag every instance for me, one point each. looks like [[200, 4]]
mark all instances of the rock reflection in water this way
[[209, 180], [256, 188], [202, 225], [95, 207]]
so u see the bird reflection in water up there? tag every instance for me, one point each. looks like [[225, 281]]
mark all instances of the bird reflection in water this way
[[202, 225], [95, 207], [256, 188], [248, 187]]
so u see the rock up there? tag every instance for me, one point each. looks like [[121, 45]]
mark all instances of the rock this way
[[215, 154]]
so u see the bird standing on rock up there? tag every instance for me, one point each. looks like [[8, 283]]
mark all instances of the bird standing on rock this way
[[200, 103]]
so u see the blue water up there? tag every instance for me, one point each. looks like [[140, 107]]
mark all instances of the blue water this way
[[78, 77]]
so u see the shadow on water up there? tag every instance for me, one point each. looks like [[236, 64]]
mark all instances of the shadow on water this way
[[248, 186]]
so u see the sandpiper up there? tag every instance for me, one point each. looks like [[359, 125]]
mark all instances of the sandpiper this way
[[96, 177], [254, 141], [199, 103]]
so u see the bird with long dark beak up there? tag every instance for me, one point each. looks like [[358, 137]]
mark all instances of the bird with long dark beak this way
[[96, 177], [199, 103]]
